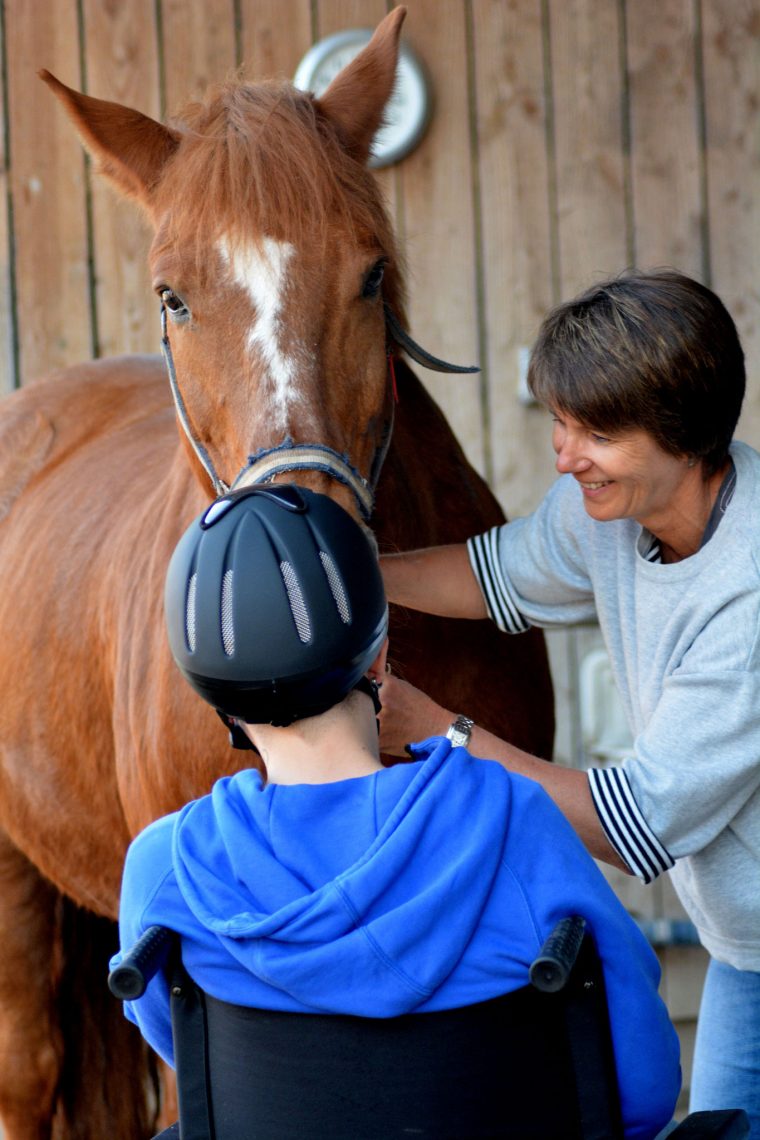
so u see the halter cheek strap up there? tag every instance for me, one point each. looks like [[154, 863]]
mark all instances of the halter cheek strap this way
[[220, 487]]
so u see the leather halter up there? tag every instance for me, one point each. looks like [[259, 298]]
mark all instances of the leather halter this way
[[264, 464]]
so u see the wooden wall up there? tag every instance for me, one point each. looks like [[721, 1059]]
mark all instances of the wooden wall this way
[[570, 138]]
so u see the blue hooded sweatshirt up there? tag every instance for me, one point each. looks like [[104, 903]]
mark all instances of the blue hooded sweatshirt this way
[[421, 887]]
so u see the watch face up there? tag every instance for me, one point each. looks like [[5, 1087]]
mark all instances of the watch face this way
[[408, 109]]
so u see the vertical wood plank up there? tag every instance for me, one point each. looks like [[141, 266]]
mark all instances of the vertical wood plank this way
[[665, 158], [731, 51], [336, 15], [436, 189], [587, 94], [274, 36], [515, 228], [590, 198], [199, 47], [8, 377], [48, 191], [122, 64]]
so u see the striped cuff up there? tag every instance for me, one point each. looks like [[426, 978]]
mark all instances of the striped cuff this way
[[483, 550], [625, 826]]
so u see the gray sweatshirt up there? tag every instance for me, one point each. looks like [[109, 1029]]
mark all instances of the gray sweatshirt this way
[[684, 645]]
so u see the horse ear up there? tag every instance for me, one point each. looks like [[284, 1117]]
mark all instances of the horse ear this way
[[131, 149], [356, 98]]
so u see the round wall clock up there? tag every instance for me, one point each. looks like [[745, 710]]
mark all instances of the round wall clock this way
[[408, 111]]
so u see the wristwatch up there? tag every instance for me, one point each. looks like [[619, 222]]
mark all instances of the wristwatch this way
[[460, 731]]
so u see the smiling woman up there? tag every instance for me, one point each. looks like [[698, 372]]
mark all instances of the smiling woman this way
[[626, 474], [650, 530]]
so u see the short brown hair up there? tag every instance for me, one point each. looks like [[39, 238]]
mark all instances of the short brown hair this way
[[656, 351]]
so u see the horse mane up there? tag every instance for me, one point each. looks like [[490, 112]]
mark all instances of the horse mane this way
[[226, 175]]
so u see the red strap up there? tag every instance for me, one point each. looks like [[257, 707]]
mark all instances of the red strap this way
[[392, 370]]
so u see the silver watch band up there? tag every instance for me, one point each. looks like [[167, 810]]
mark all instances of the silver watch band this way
[[460, 731]]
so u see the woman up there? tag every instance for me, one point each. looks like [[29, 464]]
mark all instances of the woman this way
[[651, 530]]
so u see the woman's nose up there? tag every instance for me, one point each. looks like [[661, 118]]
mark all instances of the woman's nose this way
[[570, 456]]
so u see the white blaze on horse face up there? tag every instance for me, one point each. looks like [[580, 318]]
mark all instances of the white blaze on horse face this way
[[261, 271]]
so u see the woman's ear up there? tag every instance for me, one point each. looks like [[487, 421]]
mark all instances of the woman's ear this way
[[376, 671]]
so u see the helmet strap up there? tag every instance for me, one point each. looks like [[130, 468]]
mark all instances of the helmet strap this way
[[239, 739], [372, 689]]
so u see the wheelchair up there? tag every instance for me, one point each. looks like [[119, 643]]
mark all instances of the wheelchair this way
[[535, 1064]]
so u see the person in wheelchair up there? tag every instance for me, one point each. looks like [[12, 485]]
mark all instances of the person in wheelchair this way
[[318, 880]]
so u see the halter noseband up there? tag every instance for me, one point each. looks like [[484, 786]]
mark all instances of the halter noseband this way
[[264, 464]]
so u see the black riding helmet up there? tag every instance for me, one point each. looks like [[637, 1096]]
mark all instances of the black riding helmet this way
[[275, 606]]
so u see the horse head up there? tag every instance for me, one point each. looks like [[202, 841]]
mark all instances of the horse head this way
[[273, 291]]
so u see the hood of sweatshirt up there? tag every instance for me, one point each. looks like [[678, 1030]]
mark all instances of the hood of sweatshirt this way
[[342, 895]]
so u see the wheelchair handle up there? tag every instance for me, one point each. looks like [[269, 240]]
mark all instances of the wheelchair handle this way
[[129, 979], [551, 969]]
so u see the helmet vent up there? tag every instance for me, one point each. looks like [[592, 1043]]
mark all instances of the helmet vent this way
[[190, 613], [336, 585], [297, 603], [228, 628]]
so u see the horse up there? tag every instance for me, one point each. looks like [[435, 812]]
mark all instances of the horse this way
[[281, 294]]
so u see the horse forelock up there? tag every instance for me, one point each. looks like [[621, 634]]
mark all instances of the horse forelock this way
[[261, 161]]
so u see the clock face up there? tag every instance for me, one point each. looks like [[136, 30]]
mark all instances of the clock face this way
[[407, 111]]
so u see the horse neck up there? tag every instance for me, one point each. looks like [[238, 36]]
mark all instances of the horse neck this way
[[186, 489]]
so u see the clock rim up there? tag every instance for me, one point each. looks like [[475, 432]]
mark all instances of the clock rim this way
[[360, 37]]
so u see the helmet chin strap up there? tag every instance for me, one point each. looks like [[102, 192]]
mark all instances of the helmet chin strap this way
[[372, 689], [239, 738]]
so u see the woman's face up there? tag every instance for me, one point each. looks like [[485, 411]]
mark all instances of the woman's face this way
[[625, 475]]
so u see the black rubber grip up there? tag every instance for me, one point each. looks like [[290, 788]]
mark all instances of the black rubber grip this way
[[551, 969], [128, 980]]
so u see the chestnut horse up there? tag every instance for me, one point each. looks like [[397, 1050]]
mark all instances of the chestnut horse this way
[[278, 274]]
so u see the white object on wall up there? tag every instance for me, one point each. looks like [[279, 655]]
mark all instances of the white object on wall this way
[[604, 726], [524, 394], [409, 108]]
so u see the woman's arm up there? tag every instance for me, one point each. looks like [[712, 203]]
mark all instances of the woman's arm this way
[[437, 580], [409, 714]]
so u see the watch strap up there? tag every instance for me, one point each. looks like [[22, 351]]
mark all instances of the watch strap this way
[[460, 731]]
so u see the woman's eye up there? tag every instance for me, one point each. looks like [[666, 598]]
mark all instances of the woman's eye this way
[[600, 438], [174, 304], [374, 280]]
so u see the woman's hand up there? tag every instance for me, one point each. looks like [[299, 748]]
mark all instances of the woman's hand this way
[[407, 715]]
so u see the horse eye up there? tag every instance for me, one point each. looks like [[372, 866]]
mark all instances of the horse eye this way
[[374, 279], [174, 304]]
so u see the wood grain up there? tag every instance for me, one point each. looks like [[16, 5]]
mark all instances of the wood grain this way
[[121, 47], [48, 192]]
